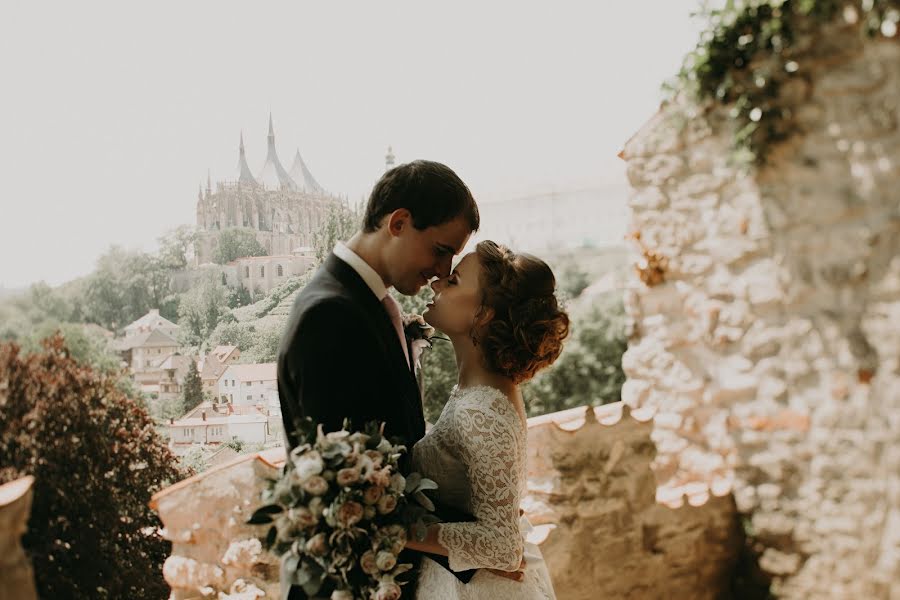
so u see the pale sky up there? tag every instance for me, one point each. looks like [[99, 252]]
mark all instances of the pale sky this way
[[111, 113]]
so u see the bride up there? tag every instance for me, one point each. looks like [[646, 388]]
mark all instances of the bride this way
[[500, 312]]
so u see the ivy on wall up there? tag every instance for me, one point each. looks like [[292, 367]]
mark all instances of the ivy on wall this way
[[752, 49]]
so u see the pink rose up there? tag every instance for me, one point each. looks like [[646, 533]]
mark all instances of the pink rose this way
[[387, 504], [381, 477], [387, 590], [341, 595], [316, 485], [367, 563], [347, 477], [372, 494], [369, 513], [302, 516], [376, 457], [349, 513]]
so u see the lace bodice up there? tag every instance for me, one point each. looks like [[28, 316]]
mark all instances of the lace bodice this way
[[476, 454]]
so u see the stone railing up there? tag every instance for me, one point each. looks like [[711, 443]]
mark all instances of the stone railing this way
[[604, 527], [16, 576]]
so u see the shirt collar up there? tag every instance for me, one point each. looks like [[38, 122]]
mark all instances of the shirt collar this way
[[368, 274]]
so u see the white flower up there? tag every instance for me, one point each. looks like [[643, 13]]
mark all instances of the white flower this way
[[398, 483], [387, 590], [385, 560], [308, 464], [341, 595]]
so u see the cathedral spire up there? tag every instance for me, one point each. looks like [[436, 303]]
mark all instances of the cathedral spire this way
[[272, 175], [301, 174], [208, 183], [244, 176]]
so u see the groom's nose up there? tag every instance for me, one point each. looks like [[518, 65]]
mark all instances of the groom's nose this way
[[436, 285]]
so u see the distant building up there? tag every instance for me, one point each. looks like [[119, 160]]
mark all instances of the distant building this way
[[216, 423], [556, 220], [173, 371], [263, 273], [152, 321], [282, 207], [248, 384], [214, 364]]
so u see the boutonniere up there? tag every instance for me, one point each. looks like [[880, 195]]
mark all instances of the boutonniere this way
[[419, 333]]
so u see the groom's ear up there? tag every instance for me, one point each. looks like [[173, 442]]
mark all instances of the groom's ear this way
[[398, 220]]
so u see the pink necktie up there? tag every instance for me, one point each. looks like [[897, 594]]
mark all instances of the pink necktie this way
[[393, 310]]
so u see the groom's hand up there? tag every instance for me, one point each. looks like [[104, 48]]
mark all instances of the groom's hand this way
[[514, 575]]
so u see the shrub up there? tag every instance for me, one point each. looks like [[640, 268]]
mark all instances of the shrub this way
[[96, 459]]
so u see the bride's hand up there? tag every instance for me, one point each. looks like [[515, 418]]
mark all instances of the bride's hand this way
[[514, 575]]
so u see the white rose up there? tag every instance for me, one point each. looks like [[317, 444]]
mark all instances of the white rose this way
[[308, 464], [385, 560]]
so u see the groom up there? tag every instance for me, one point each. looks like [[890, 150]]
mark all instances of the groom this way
[[344, 353]]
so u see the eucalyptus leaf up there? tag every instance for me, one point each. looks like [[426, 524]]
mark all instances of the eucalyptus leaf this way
[[426, 484], [412, 482], [424, 500]]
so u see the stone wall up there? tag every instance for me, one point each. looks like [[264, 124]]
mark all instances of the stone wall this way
[[766, 319], [591, 496]]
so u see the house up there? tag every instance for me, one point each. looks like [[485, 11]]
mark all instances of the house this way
[[213, 424], [248, 384], [152, 321], [145, 353], [214, 364], [173, 370]]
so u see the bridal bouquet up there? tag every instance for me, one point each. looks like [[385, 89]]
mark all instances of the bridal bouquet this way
[[340, 513]]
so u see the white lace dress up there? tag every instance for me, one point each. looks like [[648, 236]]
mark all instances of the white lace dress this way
[[476, 454]]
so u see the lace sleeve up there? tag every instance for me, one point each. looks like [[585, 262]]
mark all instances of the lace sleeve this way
[[489, 446]]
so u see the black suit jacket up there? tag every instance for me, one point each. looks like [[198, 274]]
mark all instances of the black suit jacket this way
[[340, 358]]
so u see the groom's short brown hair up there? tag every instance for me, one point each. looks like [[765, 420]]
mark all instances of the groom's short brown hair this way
[[429, 190]]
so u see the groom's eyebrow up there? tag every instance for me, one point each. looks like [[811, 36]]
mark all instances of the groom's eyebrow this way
[[448, 249]]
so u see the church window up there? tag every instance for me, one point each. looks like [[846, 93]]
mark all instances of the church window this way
[[246, 271], [279, 270], [262, 271]]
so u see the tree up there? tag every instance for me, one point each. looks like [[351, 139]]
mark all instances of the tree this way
[[175, 247], [573, 279], [193, 388], [340, 225], [589, 371], [201, 309], [125, 286], [97, 460], [237, 242]]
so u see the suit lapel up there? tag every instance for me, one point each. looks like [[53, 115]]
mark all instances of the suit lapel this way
[[361, 293]]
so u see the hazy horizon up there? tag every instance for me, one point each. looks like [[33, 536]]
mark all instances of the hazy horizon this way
[[116, 112]]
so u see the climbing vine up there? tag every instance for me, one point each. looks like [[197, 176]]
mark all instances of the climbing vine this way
[[751, 49]]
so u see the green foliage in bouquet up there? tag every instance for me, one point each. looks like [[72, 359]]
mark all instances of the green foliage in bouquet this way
[[340, 513]]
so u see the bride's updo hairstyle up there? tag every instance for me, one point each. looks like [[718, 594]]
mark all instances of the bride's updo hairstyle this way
[[528, 327]]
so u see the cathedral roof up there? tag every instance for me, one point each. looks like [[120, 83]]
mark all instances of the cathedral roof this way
[[300, 173], [244, 176], [272, 175]]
